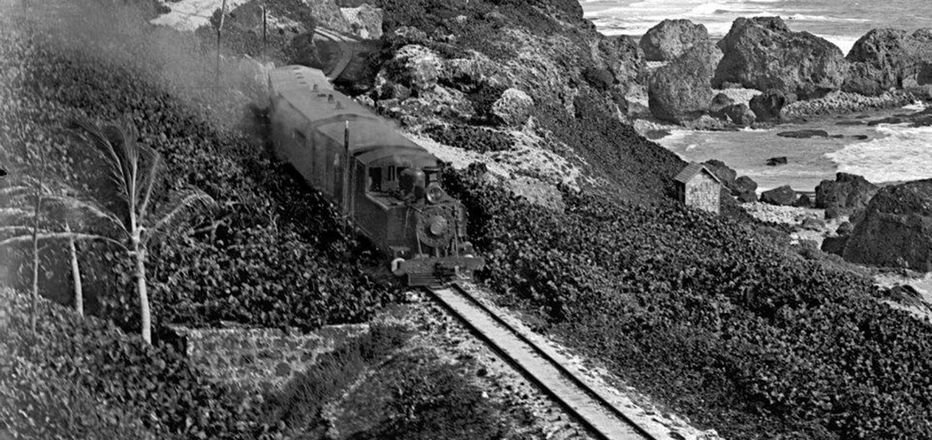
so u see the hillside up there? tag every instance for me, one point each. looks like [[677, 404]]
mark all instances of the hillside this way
[[713, 317], [576, 77]]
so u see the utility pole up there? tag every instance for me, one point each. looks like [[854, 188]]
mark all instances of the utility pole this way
[[223, 11], [347, 168], [265, 31]]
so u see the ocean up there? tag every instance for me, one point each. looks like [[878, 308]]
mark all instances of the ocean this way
[[839, 21], [882, 153]]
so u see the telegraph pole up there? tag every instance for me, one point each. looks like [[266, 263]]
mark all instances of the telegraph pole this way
[[346, 175], [223, 11], [265, 31]]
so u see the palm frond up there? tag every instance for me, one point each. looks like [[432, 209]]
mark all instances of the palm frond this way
[[27, 238], [125, 153], [11, 192], [189, 204], [88, 209], [9, 216], [15, 229], [148, 182], [112, 154]]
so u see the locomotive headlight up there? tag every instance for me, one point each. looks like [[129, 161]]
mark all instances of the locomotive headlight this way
[[435, 193], [437, 225]]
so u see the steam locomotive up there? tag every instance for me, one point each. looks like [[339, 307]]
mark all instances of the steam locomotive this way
[[387, 186]]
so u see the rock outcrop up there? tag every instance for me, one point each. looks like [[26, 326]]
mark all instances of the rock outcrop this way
[[670, 39], [725, 174], [884, 59], [896, 230], [364, 20], [718, 105], [847, 194], [763, 53], [743, 187], [513, 107], [328, 13], [777, 161], [680, 91], [415, 67], [740, 114], [623, 58], [746, 189], [782, 196], [768, 106]]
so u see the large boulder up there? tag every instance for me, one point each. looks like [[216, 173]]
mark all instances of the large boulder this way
[[847, 194], [762, 53], [835, 245], [745, 189], [513, 107], [888, 58], [364, 20], [741, 187], [782, 196], [623, 58], [725, 174], [896, 230], [670, 39], [768, 106], [415, 67], [718, 105], [745, 184], [328, 13], [680, 91], [740, 114]]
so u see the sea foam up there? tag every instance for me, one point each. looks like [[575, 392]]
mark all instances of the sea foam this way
[[904, 153]]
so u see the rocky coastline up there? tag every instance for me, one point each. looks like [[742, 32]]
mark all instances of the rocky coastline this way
[[783, 76]]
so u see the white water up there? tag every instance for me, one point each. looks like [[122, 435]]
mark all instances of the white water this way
[[903, 153]]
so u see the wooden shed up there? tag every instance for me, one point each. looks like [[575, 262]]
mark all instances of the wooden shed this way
[[698, 187]]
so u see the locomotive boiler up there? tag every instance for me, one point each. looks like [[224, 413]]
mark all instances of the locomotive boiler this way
[[387, 186]]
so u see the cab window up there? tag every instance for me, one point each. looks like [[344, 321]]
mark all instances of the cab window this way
[[375, 179]]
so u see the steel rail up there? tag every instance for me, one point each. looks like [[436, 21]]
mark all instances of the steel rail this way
[[591, 407]]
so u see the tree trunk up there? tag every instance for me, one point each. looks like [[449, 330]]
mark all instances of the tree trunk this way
[[75, 274], [144, 314], [35, 262]]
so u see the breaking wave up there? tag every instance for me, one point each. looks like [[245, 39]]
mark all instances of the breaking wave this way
[[904, 153]]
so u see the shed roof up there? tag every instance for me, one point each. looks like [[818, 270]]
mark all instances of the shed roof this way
[[692, 170]]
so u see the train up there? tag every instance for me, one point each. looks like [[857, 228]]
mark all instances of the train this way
[[387, 187]]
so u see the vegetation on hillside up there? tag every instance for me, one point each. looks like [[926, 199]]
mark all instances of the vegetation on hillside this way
[[709, 315], [80, 378], [275, 255]]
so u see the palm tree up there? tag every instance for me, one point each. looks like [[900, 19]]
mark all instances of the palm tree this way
[[127, 217], [26, 203]]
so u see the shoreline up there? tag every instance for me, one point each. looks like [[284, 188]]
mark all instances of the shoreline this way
[[862, 143]]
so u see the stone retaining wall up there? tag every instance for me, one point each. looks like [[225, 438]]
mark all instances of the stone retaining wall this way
[[259, 357]]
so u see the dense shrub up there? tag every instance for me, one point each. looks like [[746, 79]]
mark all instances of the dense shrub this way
[[706, 314], [37, 403], [276, 256], [84, 378], [299, 402], [432, 399], [483, 18], [471, 138]]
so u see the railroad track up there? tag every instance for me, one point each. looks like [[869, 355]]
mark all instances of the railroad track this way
[[590, 406]]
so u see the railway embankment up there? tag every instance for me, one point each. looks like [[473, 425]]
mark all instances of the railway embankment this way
[[274, 256], [716, 319]]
